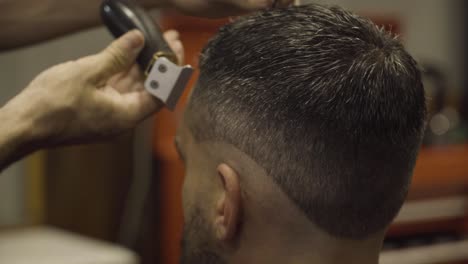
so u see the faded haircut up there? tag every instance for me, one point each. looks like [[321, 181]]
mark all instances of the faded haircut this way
[[329, 104]]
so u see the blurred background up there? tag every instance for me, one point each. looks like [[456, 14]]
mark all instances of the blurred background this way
[[126, 192]]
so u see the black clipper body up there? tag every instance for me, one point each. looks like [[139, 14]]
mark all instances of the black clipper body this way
[[165, 79]]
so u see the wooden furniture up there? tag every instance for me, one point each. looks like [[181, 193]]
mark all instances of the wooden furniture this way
[[438, 197], [451, 252], [86, 187], [437, 204]]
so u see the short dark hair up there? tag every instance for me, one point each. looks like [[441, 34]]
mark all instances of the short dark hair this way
[[331, 105]]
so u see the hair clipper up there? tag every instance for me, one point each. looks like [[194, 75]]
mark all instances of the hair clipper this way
[[164, 78]]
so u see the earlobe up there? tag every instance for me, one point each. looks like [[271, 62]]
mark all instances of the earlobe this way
[[228, 207]]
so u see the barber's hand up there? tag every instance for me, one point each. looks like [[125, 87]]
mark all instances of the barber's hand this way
[[93, 97]]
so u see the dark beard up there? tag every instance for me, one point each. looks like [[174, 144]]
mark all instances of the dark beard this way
[[195, 242]]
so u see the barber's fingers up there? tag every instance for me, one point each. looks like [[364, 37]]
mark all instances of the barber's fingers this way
[[139, 105], [125, 92], [173, 39], [118, 56], [130, 108], [127, 81], [171, 35]]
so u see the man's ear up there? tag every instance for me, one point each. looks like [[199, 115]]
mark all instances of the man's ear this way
[[228, 206]]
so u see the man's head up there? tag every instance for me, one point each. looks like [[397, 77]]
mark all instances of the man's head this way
[[319, 101]]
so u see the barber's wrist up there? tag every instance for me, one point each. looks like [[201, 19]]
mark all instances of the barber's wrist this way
[[16, 136], [23, 118]]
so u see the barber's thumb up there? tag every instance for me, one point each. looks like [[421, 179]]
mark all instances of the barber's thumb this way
[[121, 53]]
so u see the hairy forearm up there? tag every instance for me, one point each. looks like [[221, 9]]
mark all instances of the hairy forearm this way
[[16, 136], [27, 22]]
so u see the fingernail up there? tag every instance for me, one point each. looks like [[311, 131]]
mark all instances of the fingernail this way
[[136, 39]]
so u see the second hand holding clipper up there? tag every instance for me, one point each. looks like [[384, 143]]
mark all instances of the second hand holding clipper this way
[[164, 78]]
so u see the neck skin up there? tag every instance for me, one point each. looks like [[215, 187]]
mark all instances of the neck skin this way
[[266, 240], [276, 245], [274, 230]]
